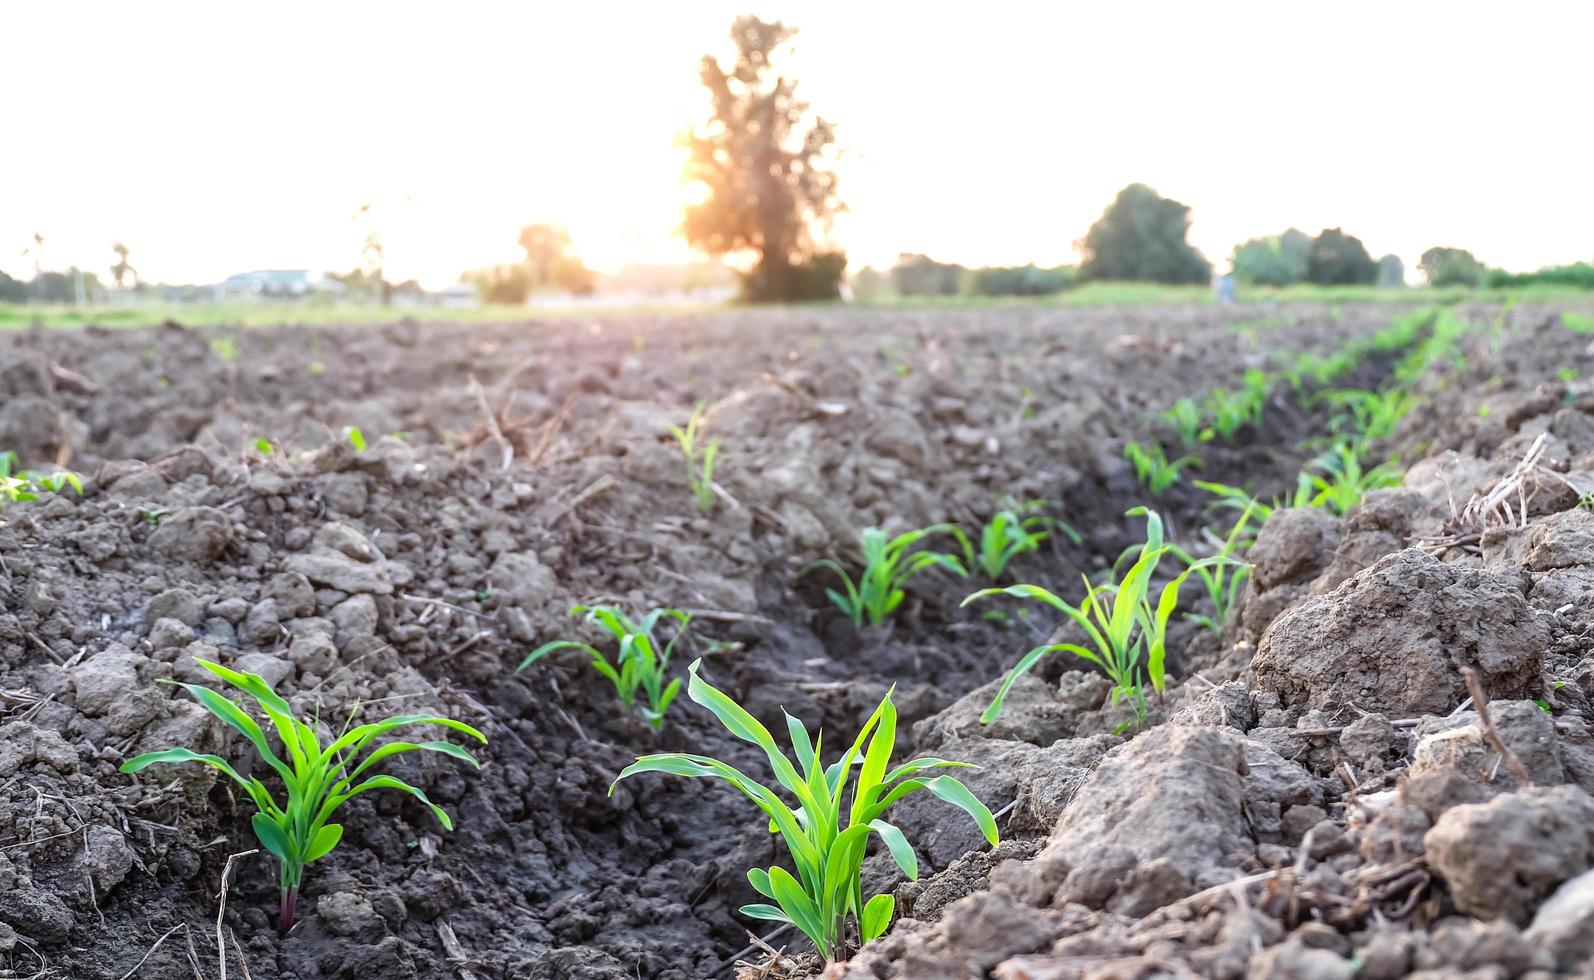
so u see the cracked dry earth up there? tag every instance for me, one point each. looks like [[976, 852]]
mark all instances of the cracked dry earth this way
[[1319, 795]]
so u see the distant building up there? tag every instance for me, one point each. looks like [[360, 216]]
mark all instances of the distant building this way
[[276, 284]]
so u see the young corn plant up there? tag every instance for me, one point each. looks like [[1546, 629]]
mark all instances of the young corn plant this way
[[1155, 471], [18, 485], [1336, 480], [640, 667], [699, 459], [1365, 417], [826, 838], [888, 564], [1013, 531], [318, 779], [1237, 498], [1230, 411], [1186, 417], [1224, 574], [1125, 629]]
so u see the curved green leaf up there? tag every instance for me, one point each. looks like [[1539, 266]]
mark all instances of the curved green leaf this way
[[897, 844], [324, 841], [555, 647], [954, 792], [274, 839], [876, 916]]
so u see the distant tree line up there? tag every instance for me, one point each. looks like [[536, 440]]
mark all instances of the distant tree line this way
[[920, 275], [549, 264]]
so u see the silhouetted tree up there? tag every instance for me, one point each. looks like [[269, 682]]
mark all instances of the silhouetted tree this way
[[551, 264], [1444, 266], [1338, 259], [1142, 236], [766, 175]]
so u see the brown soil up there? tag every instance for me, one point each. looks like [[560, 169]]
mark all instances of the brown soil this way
[[419, 572]]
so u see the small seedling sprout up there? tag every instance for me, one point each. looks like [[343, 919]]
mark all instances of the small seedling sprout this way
[[1016, 530], [318, 779], [699, 458], [888, 564], [641, 665], [1122, 624], [1153, 468], [826, 841]]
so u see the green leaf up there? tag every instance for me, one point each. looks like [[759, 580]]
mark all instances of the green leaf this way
[[141, 762], [554, 647], [236, 718], [897, 844], [769, 913], [1021, 668], [954, 792], [744, 726], [797, 905], [324, 841], [387, 782], [394, 748], [273, 839], [759, 879], [876, 917]]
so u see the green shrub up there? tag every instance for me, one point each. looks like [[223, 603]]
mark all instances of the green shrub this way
[[1443, 266], [1578, 275], [318, 780], [826, 841], [888, 564], [641, 666]]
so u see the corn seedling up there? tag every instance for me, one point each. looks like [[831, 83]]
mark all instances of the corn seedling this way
[[1231, 411], [1236, 498], [1366, 417], [1336, 480], [1122, 625], [318, 780], [699, 459], [888, 564], [641, 665], [826, 841], [1187, 419], [355, 436], [1014, 531], [1223, 576], [19, 485], [1155, 471]]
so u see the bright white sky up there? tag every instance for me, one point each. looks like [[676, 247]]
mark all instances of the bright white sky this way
[[218, 137]]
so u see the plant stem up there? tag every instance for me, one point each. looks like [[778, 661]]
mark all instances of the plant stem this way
[[290, 908]]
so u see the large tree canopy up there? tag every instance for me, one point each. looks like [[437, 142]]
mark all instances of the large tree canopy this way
[[1445, 266], [1279, 260], [764, 165], [1142, 236], [1338, 259]]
